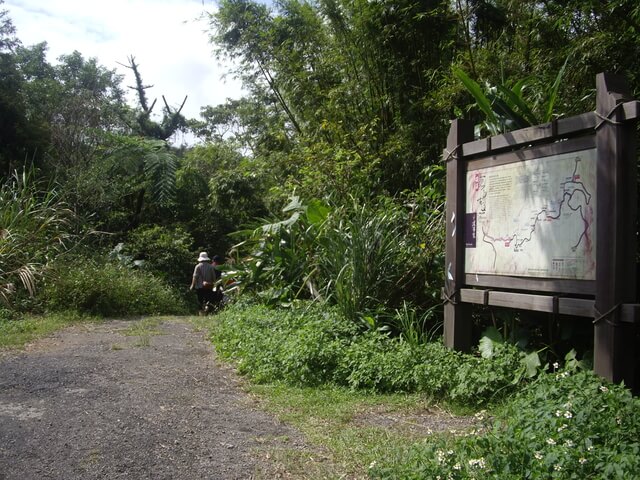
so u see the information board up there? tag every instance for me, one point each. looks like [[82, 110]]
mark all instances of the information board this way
[[533, 218]]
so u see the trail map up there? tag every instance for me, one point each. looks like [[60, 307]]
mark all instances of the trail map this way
[[533, 218]]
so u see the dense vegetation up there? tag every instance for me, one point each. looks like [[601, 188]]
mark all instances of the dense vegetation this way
[[324, 188]]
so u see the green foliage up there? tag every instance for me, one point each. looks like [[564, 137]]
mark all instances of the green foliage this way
[[34, 227], [312, 345], [565, 425], [506, 108], [277, 257], [163, 251], [87, 285], [367, 260]]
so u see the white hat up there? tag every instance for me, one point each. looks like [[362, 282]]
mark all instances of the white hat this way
[[203, 257]]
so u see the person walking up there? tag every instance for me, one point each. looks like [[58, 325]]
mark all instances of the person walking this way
[[203, 279]]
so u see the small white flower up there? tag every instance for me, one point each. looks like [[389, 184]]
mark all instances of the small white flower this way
[[538, 456], [568, 414], [557, 468], [569, 443], [558, 413], [562, 427], [582, 461], [618, 420], [603, 389], [457, 466], [568, 405], [589, 448], [556, 365], [372, 464], [477, 462], [551, 441]]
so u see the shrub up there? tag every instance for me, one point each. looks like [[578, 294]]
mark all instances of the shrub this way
[[108, 289], [301, 346], [165, 252], [565, 425], [307, 345], [377, 363]]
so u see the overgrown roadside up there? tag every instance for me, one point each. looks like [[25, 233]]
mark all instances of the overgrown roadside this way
[[127, 399]]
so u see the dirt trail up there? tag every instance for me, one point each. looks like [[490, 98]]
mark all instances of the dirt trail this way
[[91, 402]]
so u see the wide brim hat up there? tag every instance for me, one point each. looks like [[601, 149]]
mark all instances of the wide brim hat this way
[[204, 257]]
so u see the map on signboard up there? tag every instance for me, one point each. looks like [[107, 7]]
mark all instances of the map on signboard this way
[[533, 218]]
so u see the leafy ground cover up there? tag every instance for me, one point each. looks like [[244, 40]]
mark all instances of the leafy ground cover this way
[[318, 372]]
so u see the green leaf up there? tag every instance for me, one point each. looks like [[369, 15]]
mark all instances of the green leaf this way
[[317, 212], [481, 99], [490, 337], [548, 115], [531, 363], [517, 104]]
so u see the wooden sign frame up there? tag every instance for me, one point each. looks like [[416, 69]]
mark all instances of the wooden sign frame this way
[[611, 300]]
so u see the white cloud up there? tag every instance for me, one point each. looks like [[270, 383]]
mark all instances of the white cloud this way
[[166, 37]]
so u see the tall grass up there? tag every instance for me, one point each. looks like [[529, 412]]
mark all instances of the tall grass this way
[[34, 228], [360, 255]]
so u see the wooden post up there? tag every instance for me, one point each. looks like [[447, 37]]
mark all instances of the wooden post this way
[[616, 231], [457, 316]]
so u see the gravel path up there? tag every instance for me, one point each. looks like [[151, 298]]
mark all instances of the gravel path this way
[[94, 401]]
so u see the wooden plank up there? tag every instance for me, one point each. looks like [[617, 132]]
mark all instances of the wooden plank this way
[[457, 316], [472, 295], [630, 313], [576, 287], [540, 151], [522, 136], [577, 124], [632, 110], [616, 230], [564, 127], [476, 147], [579, 307]]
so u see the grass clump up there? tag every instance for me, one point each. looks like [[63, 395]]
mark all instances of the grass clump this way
[[17, 332]]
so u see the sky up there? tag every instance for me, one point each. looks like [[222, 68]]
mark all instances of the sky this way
[[169, 43]]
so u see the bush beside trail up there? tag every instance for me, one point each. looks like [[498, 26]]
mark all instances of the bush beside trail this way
[[108, 289], [310, 345]]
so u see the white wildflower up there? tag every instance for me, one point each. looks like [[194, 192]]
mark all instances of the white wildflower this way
[[618, 420], [562, 427], [477, 462], [538, 456], [557, 468], [568, 414], [372, 464], [603, 389], [457, 466], [556, 365], [569, 443], [589, 448], [582, 461], [558, 413], [551, 441]]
